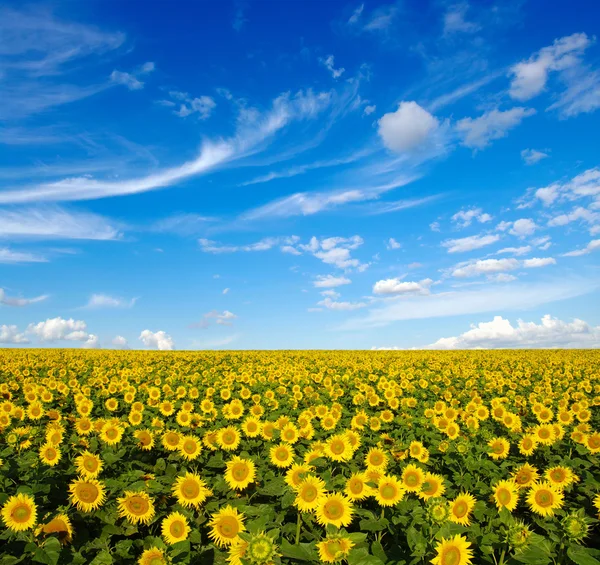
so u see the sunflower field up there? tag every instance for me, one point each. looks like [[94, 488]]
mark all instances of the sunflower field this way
[[365, 458]]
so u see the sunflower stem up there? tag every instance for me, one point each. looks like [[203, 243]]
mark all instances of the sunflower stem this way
[[298, 525]]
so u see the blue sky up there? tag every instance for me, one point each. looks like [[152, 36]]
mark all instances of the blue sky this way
[[299, 175]]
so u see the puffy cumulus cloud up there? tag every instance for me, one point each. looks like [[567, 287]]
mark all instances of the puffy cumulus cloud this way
[[393, 244], [523, 227], [593, 245], [469, 243], [397, 287], [485, 267], [119, 342], [57, 329], [335, 251], [477, 133], [14, 301], [11, 334], [464, 218], [106, 301], [157, 340], [578, 214], [406, 128], [583, 185], [532, 156], [334, 305], [92, 342], [529, 77], [536, 262], [500, 333], [330, 281]]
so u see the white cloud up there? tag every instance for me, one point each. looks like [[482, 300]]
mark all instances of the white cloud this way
[[157, 340], [464, 217], [10, 256], [434, 226], [455, 20], [226, 290], [543, 242], [577, 214], [477, 133], [335, 251], [586, 184], [127, 79], [55, 329], [106, 301], [92, 342], [10, 334], [330, 293], [530, 76], [330, 281], [485, 267], [202, 106], [469, 243], [343, 306], [254, 130], [523, 227], [485, 298], [406, 128], [369, 110], [397, 287], [183, 224], [13, 301], [265, 244], [356, 14], [500, 333], [55, 223], [393, 244], [119, 342], [532, 156], [328, 63], [591, 246], [224, 318], [523, 250], [536, 262]]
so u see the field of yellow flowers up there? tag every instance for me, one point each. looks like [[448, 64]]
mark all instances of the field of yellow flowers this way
[[365, 458]]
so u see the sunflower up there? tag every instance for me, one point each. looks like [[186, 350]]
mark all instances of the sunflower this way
[[137, 507], [592, 442], [334, 548], [88, 465], [189, 447], [145, 439], [544, 498], [338, 448], [334, 509], [59, 525], [50, 454], [296, 473], [111, 434], [308, 493], [357, 488], [228, 438], [175, 528], [289, 433], [597, 504], [560, 477], [499, 448], [240, 473], [376, 459], [525, 476], [389, 491], [251, 427], [413, 478], [506, 495], [190, 490], [461, 507], [87, 494], [19, 512], [282, 455], [453, 551], [261, 549], [170, 440], [432, 487], [226, 526], [153, 556], [527, 444]]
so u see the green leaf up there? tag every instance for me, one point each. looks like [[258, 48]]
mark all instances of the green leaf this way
[[49, 552], [378, 551], [363, 557], [103, 558], [374, 525], [300, 552], [581, 555]]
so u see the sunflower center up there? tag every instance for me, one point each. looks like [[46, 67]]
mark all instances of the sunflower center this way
[[251, 427], [430, 488], [177, 529], [228, 527], [334, 547], [21, 513], [90, 464], [50, 453], [172, 439], [503, 496], [309, 493], [333, 510], [189, 446], [497, 448], [594, 442], [337, 447], [451, 556], [240, 471], [281, 454], [190, 489], [388, 491], [376, 459], [87, 492], [356, 486], [411, 479], [228, 438], [544, 498], [557, 475], [460, 509], [138, 505], [111, 433]]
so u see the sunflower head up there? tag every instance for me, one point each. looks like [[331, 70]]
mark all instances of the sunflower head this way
[[575, 526], [175, 528], [335, 548], [19, 512], [438, 510], [261, 549], [226, 525], [518, 536]]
